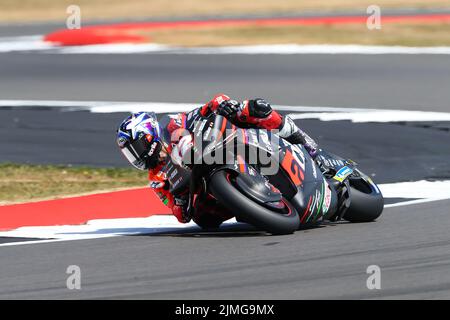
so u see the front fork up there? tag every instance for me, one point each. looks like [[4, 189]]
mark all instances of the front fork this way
[[343, 195]]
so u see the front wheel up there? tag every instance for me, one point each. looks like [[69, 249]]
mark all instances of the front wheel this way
[[245, 209], [367, 202]]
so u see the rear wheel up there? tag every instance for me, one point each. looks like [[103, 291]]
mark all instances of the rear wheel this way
[[280, 218], [208, 221]]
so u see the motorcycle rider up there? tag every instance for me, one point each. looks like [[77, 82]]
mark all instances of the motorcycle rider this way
[[140, 137]]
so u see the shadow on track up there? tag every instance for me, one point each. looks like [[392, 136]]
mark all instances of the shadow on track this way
[[228, 230]]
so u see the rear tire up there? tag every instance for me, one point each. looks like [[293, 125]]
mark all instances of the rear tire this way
[[245, 209], [207, 222]]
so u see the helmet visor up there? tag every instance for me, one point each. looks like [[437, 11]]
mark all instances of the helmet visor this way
[[138, 152], [133, 158]]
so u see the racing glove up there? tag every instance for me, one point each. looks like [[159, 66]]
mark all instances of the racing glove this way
[[229, 108]]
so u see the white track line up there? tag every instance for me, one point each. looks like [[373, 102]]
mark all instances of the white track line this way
[[426, 191], [25, 43], [376, 116], [411, 202], [36, 43], [104, 228], [423, 191], [301, 112], [436, 190], [280, 49]]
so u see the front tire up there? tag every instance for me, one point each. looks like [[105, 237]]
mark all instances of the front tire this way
[[366, 203], [245, 209]]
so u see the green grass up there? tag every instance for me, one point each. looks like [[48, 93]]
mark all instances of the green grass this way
[[21, 183], [405, 34], [45, 10]]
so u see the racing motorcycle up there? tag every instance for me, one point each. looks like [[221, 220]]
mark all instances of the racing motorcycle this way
[[301, 191]]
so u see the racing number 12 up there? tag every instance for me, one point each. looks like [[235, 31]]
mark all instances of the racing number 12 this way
[[292, 167]]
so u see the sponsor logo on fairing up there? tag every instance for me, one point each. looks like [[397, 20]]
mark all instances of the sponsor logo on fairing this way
[[343, 173], [315, 202], [311, 207], [156, 184], [173, 174], [314, 170], [326, 162], [176, 183], [327, 198]]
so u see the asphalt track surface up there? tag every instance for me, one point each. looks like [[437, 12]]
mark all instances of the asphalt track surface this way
[[410, 243], [409, 82]]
